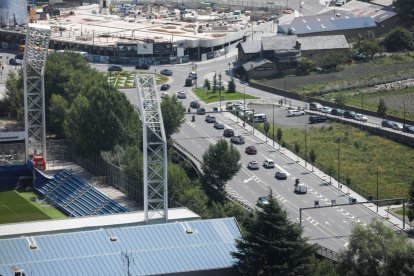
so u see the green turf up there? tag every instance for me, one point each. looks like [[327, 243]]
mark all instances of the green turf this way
[[209, 96], [19, 207]]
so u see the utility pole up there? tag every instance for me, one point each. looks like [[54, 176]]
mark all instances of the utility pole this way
[[253, 121], [377, 188], [404, 112], [273, 125], [339, 162], [306, 157], [244, 110]]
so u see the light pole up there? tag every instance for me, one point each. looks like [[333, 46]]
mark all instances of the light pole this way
[[339, 162], [306, 158], [253, 122], [404, 112], [273, 125], [377, 188], [220, 89], [244, 109]]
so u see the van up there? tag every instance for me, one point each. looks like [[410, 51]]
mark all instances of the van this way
[[301, 188], [189, 81], [260, 118], [315, 106]]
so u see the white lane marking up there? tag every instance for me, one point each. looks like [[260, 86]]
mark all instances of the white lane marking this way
[[247, 180], [327, 223], [346, 244]]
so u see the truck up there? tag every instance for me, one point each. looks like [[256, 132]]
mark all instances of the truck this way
[[300, 188], [189, 81]]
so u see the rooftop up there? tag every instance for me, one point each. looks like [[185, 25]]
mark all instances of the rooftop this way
[[324, 42]]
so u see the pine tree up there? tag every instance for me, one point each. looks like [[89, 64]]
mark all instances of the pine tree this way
[[231, 87], [272, 245]]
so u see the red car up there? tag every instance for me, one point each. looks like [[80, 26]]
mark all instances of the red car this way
[[39, 162], [251, 150]]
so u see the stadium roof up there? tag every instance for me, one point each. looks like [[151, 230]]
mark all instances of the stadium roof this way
[[11, 136], [151, 249], [326, 23], [86, 223], [323, 42]]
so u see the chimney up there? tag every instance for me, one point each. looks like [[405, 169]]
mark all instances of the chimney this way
[[298, 45]]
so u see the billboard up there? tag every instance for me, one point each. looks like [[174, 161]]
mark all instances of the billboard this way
[[145, 49], [163, 48]]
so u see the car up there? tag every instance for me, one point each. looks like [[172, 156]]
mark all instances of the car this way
[[326, 109], [165, 86], [251, 150], [262, 201], [229, 106], [293, 112], [228, 132], [142, 66], [15, 61], [237, 139], [315, 106], [181, 95], [113, 68], [201, 111], [195, 104], [166, 72], [39, 162], [340, 2], [253, 165], [317, 119], [360, 117], [193, 75], [210, 118], [218, 125], [189, 82], [392, 124], [408, 128], [337, 112], [269, 164], [349, 114], [280, 175], [398, 126]]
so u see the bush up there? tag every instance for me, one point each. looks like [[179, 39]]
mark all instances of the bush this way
[[398, 39], [305, 66]]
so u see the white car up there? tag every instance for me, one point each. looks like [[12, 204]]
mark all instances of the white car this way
[[181, 95], [218, 125], [360, 117], [269, 164], [326, 109], [292, 113], [340, 2], [210, 118]]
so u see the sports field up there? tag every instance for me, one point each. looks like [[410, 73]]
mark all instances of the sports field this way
[[21, 206]]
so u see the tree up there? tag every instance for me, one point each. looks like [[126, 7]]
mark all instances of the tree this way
[[14, 95], [207, 84], [297, 149], [305, 66], [330, 171], [340, 100], [312, 157], [368, 47], [221, 162], [57, 109], [399, 39], [405, 8], [410, 202], [272, 245], [172, 114], [215, 83], [279, 136], [266, 128], [376, 249], [382, 108], [231, 87]]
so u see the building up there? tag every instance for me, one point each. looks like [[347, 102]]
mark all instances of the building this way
[[13, 12]]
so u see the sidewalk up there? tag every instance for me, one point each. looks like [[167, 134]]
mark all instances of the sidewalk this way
[[382, 211]]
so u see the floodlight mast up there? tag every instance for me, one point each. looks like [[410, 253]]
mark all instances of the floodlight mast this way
[[155, 150], [35, 54]]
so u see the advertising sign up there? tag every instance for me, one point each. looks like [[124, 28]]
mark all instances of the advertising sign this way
[[145, 49], [163, 48]]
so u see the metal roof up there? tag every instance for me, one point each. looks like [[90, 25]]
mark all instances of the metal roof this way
[[323, 42], [255, 63], [278, 43], [11, 136], [251, 47], [151, 249], [326, 23]]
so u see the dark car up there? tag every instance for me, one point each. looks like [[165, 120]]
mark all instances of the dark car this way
[[165, 86], [281, 175], [189, 82], [251, 150], [317, 119], [392, 124], [195, 104], [113, 68], [228, 132], [349, 114], [142, 66], [166, 72], [337, 112], [409, 129], [237, 140], [15, 61]]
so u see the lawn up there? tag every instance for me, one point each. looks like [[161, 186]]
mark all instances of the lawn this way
[[126, 79], [209, 96], [19, 207], [360, 154]]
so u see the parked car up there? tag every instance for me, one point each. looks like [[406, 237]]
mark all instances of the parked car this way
[[218, 125], [392, 124], [113, 68], [280, 175], [201, 111], [315, 106], [269, 164], [398, 126], [253, 165], [292, 113], [326, 109], [237, 139], [210, 118], [262, 201], [228, 132], [408, 128], [165, 86], [340, 2], [15, 61], [349, 114], [142, 66], [166, 72], [181, 95], [337, 112], [251, 150], [195, 104], [360, 117], [229, 106], [317, 119]]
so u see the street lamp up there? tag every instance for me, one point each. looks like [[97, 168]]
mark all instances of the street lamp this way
[[377, 188], [244, 109], [339, 162], [306, 158], [220, 89], [273, 125], [253, 122]]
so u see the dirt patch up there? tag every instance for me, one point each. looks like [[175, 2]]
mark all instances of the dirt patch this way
[[397, 101], [11, 125]]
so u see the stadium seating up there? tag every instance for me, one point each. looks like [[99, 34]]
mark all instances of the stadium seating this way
[[77, 198]]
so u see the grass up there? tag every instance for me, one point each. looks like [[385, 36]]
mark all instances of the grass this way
[[360, 152], [126, 79], [209, 96], [19, 207]]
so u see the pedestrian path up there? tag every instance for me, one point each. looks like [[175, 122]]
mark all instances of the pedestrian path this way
[[382, 211]]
